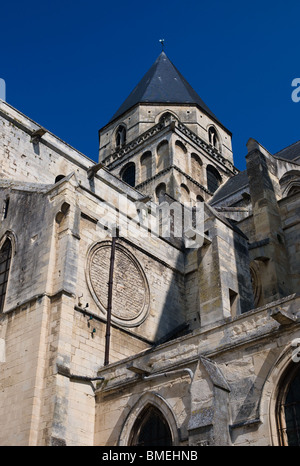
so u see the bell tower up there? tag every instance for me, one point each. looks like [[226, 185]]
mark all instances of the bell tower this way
[[165, 140]]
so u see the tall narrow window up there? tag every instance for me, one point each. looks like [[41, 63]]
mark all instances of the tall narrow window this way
[[213, 138], [233, 299], [5, 208], [162, 160], [151, 429], [5, 258], [196, 165], [213, 178], [146, 166], [184, 194], [128, 174], [121, 136], [289, 412]]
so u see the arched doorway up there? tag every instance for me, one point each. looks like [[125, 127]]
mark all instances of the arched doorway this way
[[151, 429]]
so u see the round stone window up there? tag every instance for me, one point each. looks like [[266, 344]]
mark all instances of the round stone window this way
[[130, 296]]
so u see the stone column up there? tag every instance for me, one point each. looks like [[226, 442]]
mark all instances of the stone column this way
[[210, 415]]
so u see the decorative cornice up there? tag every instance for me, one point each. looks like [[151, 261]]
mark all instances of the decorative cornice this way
[[207, 147], [170, 124], [119, 153]]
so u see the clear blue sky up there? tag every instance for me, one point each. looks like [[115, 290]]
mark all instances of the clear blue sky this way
[[69, 65]]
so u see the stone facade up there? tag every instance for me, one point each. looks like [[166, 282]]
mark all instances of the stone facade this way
[[205, 336]]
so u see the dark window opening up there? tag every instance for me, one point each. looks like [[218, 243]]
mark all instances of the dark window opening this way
[[233, 299], [128, 174], [121, 136], [151, 429], [5, 208], [160, 192], [213, 138], [5, 258], [59, 177], [146, 165], [166, 116], [289, 414], [213, 178]]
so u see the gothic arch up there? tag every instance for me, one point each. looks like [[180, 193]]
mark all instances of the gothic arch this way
[[271, 391], [120, 135], [290, 182], [165, 114], [214, 137], [196, 167], [6, 253], [147, 400], [10, 234]]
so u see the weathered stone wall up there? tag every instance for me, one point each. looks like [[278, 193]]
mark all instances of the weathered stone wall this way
[[231, 366], [22, 373], [216, 384], [36, 162], [53, 227], [142, 117]]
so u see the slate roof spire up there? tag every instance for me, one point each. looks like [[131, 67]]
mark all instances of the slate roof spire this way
[[163, 83]]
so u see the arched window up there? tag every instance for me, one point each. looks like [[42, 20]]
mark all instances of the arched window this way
[[167, 116], [59, 177], [5, 208], [151, 429], [288, 410], [146, 166], [213, 138], [196, 165], [160, 192], [128, 174], [213, 178], [5, 258], [180, 155], [121, 136], [290, 183], [162, 155], [185, 193]]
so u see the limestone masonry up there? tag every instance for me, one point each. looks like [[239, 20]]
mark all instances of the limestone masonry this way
[[163, 258]]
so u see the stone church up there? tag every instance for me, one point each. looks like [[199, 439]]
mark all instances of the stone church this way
[[115, 329]]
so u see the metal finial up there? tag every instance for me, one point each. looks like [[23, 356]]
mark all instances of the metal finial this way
[[162, 41]]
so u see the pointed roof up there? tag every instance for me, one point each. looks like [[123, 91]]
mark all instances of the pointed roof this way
[[163, 83]]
